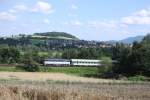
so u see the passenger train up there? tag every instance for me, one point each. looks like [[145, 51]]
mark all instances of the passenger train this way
[[72, 62]]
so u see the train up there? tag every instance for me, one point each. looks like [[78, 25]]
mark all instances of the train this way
[[72, 62]]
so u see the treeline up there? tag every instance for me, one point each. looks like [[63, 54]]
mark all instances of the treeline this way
[[86, 53], [133, 60], [31, 56], [9, 54], [22, 41], [50, 41]]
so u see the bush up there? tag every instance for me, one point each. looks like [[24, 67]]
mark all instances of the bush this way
[[31, 66], [29, 61], [106, 65]]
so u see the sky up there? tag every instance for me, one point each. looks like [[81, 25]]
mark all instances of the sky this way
[[99, 20]]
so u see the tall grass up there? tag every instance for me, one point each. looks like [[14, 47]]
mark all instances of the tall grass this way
[[75, 92]]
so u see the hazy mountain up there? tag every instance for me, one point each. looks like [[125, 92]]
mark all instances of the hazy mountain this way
[[132, 39], [128, 40]]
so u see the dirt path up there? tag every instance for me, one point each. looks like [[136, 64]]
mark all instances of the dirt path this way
[[38, 76]]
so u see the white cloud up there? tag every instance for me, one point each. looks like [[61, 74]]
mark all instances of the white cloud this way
[[24, 25], [20, 7], [43, 7], [46, 21], [102, 25], [5, 16], [74, 7], [141, 17], [72, 15], [13, 28], [143, 12], [136, 20], [76, 23], [12, 11]]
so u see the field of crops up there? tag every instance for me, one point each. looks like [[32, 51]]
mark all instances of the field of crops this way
[[59, 86], [43, 76], [73, 91], [51, 85]]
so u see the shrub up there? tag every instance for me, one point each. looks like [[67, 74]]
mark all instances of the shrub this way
[[31, 66], [106, 65]]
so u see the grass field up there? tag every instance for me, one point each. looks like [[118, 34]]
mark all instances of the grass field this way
[[48, 84], [81, 71], [44, 76], [72, 91], [10, 69]]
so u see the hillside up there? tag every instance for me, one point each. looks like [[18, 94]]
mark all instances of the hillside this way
[[130, 40], [54, 35]]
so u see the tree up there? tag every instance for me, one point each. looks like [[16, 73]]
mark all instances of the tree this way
[[14, 55], [84, 54], [29, 63], [140, 58], [93, 53], [70, 54], [135, 60], [9, 55]]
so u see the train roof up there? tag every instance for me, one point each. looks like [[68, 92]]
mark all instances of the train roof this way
[[57, 60], [90, 60]]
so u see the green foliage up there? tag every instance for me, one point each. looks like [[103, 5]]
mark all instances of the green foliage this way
[[56, 34], [137, 78], [122, 56], [30, 65], [106, 61], [81, 71], [85, 53], [9, 55], [106, 64], [29, 62], [71, 70], [11, 69], [133, 60], [70, 54]]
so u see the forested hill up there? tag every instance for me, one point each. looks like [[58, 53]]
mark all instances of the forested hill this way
[[50, 41], [55, 35]]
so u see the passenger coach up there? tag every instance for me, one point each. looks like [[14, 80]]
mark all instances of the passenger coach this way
[[71, 62], [57, 62], [85, 62]]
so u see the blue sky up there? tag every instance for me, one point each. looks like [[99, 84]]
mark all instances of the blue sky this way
[[86, 19]]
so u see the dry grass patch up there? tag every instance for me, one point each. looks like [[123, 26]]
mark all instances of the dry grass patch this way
[[75, 92], [39, 76]]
